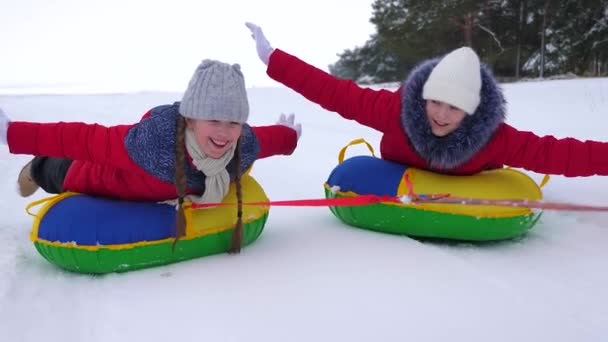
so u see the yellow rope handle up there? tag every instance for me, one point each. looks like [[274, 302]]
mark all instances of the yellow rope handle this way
[[48, 203], [544, 181], [53, 198], [354, 142]]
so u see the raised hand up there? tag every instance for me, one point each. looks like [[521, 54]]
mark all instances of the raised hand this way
[[261, 43], [289, 121]]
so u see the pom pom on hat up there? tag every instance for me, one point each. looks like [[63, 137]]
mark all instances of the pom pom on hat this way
[[216, 92], [456, 80]]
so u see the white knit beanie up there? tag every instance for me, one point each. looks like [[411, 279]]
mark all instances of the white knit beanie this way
[[216, 92], [456, 80]]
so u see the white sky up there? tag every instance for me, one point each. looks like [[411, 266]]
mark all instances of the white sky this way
[[156, 45]]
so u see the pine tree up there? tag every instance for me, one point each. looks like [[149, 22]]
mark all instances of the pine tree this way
[[515, 37]]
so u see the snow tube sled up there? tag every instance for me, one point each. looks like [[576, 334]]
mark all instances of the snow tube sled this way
[[87, 234], [370, 175]]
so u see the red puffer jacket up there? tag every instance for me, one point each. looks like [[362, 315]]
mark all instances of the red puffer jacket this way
[[482, 142], [102, 164]]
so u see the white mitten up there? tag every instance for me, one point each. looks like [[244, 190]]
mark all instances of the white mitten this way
[[4, 120], [289, 121], [261, 43]]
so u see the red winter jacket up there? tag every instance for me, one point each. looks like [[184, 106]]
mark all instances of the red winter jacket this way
[[102, 164], [483, 142]]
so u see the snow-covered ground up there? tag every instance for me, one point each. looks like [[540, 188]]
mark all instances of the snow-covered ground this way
[[311, 278]]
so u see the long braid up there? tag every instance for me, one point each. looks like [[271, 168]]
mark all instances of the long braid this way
[[180, 178], [237, 234]]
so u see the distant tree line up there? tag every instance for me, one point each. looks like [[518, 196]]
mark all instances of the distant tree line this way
[[517, 38]]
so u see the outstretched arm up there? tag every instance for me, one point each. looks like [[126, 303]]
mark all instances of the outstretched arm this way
[[378, 109], [549, 155], [72, 140]]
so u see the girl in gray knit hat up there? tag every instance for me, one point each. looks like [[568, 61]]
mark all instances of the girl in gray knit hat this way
[[192, 149]]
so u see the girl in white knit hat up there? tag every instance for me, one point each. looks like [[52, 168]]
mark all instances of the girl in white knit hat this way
[[448, 116], [190, 149]]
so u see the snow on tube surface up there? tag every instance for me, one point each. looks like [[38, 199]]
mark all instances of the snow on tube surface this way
[[370, 175], [87, 234]]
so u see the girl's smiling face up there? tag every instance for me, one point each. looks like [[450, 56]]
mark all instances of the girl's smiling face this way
[[443, 118], [215, 137]]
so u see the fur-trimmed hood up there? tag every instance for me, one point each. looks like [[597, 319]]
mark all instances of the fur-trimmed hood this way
[[456, 148]]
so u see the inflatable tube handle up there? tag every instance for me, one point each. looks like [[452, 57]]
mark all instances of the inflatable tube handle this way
[[35, 203], [51, 199], [354, 142], [544, 181]]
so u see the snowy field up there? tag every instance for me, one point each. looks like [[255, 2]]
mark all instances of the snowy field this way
[[311, 278]]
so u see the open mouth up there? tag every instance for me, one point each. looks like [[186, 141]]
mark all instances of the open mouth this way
[[218, 143], [440, 124]]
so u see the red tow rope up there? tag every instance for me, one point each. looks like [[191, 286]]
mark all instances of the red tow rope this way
[[413, 198], [316, 202], [436, 198]]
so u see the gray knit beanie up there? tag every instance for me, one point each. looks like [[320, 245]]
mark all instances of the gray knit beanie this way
[[216, 92]]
